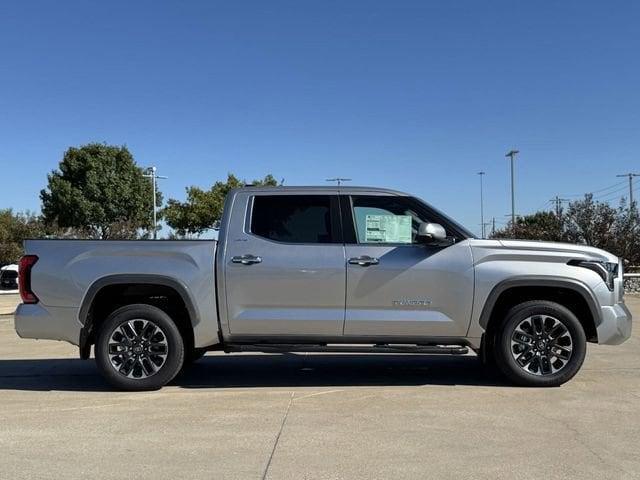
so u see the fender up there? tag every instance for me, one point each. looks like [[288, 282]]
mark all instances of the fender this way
[[119, 279], [540, 281]]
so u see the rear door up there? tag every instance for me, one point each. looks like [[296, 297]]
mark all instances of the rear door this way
[[396, 285], [285, 265]]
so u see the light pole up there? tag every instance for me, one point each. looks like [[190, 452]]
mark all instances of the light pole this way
[[482, 174], [151, 173], [630, 175], [512, 154], [339, 180]]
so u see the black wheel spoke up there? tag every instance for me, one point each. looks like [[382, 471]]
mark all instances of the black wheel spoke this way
[[128, 330], [561, 352], [538, 327], [522, 337], [557, 331], [148, 331], [525, 358]]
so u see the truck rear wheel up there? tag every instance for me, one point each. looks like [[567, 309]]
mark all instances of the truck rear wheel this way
[[540, 344], [139, 347]]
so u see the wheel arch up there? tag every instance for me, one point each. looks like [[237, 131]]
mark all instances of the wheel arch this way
[[145, 285], [569, 292]]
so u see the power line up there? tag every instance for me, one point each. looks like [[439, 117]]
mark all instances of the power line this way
[[593, 191], [543, 205], [558, 201], [630, 175], [611, 196]]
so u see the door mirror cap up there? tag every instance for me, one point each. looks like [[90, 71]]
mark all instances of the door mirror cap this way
[[432, 232]]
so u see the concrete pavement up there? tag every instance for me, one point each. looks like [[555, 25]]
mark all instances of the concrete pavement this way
[[252, 416], [8, 302]]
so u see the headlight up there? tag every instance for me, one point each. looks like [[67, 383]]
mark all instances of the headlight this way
[[608, 271]]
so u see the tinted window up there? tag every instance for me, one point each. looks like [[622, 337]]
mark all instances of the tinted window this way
[[293, 218], [386, 219]]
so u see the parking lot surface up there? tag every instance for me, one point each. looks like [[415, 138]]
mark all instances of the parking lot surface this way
[[330, 416]]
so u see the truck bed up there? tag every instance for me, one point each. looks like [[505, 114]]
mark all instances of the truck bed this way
[[69, 272]]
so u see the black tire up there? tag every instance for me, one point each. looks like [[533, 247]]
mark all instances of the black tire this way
[[166, 334], [540, 316]]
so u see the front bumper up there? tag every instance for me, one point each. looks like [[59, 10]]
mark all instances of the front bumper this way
[[50, 323], [615, 327]]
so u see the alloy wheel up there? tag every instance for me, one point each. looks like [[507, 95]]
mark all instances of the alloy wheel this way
[[138, 348], [541, 345]]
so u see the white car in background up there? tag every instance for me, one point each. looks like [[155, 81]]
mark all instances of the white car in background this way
[[9, 277]]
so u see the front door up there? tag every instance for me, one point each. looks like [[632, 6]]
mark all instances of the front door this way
[[285, 266], [396, 285]]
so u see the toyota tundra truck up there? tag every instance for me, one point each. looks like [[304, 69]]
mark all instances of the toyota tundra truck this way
[[324, 269]]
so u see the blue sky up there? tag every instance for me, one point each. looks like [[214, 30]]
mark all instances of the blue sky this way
[[417, 96]]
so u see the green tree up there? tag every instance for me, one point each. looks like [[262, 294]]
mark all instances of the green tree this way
[[585, 222], [14, 229], [203, 208], [592, 223], [100, 191], [539, 226], [627, 233]]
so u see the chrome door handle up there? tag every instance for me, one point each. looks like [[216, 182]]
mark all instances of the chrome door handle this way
[[246, 259], [364, 261]]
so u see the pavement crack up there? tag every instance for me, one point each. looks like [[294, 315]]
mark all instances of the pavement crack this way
[[578, 436], [275, 443]]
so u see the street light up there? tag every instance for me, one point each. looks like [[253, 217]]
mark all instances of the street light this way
[[482, 174], [151, 173], [512, 154]]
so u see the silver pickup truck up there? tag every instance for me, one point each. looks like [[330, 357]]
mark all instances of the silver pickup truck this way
[[330, 269]]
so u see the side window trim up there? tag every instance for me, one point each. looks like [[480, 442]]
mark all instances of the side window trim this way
[[334, 213]]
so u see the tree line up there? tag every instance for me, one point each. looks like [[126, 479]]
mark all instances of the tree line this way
[[585, 221], [99, 192]]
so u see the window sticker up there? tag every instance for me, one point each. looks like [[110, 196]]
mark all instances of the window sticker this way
[[388, 229]]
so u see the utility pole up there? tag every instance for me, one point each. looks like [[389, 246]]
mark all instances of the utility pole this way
[[630, 175], [482, 174], [484, 228], [339, 180], [493, 226], [558, 201], [512, 155], [151, 173]]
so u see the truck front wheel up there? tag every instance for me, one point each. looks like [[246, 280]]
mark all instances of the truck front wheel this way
[[540, 344], [139, 347]]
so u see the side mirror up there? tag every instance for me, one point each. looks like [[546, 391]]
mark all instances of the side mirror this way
[[432, 232]]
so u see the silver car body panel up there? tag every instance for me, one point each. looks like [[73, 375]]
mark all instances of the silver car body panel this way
[[295, 290], [414, 290]]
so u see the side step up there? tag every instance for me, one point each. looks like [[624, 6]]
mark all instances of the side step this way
[[338, 348]]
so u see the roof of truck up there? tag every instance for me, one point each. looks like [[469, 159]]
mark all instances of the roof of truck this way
[[323, 188]]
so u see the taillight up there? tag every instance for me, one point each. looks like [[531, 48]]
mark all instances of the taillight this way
[[24, 278]]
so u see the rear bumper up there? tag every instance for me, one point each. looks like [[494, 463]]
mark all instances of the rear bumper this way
[[615, 327], [50, 323]]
